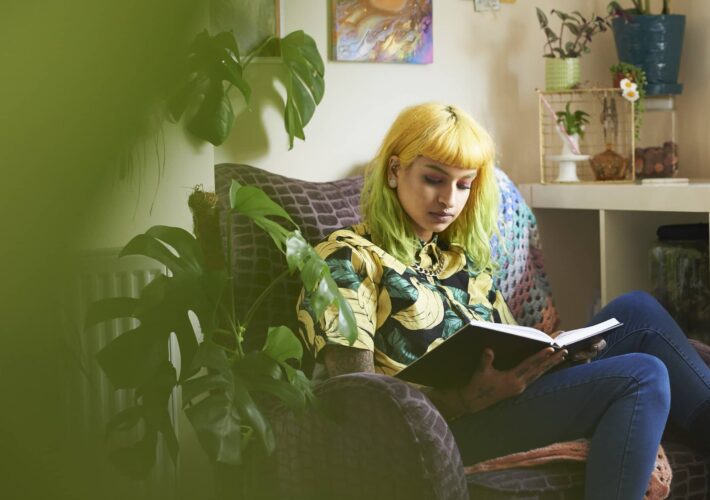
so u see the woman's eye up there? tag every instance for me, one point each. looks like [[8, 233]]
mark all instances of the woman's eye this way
[[432, 180], [465, 187]]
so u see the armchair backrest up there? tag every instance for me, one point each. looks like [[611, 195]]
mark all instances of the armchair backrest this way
[[321, 207]]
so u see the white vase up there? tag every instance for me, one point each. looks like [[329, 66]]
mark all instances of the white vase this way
[[567, 159]]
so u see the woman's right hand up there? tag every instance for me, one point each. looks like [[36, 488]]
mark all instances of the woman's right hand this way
[[489, 386]]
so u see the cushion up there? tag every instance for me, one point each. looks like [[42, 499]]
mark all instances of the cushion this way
[[318, 208]]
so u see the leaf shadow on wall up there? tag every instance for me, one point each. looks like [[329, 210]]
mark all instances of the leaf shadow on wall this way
[[251, 134]]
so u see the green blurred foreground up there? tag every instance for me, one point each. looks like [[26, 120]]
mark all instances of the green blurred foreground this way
[[76, 81]]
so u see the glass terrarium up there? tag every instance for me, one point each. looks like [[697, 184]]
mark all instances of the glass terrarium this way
[[680, 277], [656, 152]]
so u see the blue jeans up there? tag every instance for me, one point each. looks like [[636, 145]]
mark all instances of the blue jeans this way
[[620, 401]]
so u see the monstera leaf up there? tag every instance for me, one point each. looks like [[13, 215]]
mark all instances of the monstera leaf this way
[[221, 384], [215, 67]]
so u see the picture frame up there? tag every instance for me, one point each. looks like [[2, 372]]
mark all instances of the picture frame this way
[[382, 31], [251, 21]]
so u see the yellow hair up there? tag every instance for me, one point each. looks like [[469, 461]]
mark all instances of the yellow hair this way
[[448, 135]]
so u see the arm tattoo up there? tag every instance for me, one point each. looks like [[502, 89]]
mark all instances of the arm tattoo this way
[[341, 359]]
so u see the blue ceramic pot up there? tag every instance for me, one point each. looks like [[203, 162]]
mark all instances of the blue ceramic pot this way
[[653, 43]]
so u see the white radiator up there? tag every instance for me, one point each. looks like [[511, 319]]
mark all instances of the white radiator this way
[[92, 401]]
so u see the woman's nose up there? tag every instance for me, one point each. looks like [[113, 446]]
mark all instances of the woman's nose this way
[[446, 197]]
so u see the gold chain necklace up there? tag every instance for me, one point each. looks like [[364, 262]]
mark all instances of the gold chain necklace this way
[[434, 270]]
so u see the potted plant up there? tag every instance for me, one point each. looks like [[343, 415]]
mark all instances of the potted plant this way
[[565, 47], [570, 128], [226, 388], [653, 42]]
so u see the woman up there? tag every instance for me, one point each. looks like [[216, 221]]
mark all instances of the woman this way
[[419, 267]]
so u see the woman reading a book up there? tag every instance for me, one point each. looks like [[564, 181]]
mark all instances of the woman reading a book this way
[[419, 267]]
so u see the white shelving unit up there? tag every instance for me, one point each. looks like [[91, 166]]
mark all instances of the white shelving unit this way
[[596, 238]]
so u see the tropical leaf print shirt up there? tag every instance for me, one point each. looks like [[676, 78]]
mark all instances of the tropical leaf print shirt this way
[[400, 313]]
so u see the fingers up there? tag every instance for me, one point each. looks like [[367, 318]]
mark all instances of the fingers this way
[[587, 355], [487, 357]]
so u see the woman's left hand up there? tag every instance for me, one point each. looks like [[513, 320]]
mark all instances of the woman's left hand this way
[[587, 355]]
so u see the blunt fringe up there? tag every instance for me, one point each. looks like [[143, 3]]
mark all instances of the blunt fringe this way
[[448, 135]]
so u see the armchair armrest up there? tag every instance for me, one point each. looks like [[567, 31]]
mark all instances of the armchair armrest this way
[[377, 437]]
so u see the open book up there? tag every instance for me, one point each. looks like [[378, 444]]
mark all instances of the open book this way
[[452, 363]]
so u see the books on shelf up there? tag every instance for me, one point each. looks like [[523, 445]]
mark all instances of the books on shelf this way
[[453, 362]]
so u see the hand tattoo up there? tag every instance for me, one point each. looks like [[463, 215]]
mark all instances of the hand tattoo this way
[[484, 392]]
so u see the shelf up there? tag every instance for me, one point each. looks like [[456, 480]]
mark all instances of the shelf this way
[[596, 237], [693, 197]]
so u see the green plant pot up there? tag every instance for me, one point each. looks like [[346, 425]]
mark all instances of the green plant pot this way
[[562, 74]]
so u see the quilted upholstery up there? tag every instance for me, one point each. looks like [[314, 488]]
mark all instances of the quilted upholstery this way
[[317, 208], [377, 438], [395, 443]]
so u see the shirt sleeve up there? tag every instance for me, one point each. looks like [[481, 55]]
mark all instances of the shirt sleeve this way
[[350, 268]]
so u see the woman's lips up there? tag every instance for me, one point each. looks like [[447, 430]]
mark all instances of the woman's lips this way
[[441, 216]]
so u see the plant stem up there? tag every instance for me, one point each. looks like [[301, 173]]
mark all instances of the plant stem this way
[[231, 310], [256, 51], [252, 310]]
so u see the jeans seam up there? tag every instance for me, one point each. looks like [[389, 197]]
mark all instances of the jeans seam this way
[[626, 442], [693, 366]]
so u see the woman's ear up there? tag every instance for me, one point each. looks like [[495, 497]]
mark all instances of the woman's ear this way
[[392, 171], [393, 166]]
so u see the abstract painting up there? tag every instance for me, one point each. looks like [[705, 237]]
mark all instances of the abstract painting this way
[[252, 21], [382, 31]]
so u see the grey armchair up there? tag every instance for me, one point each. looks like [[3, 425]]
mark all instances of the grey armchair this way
[[375, 436]]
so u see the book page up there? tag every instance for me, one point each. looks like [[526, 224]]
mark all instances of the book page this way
[[521, 331], [572, 336]]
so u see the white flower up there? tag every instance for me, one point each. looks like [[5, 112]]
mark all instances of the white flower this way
[[627, 84], [631, 95]]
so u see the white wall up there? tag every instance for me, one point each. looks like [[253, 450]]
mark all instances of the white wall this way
[[488, 63]]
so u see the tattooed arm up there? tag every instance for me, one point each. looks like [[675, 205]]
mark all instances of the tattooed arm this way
[[487, 386], [341, 359]]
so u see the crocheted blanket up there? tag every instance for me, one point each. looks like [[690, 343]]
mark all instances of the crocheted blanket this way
[[659, 486], [521, 275]]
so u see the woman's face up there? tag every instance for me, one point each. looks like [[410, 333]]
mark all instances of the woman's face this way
[[431, 193]]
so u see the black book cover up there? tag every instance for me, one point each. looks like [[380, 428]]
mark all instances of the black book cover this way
[[452, 363]]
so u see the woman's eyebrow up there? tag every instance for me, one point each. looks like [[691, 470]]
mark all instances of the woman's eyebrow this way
[[441, 170]]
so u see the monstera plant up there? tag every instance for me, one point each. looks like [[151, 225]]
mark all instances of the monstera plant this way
[[222, 384], [215, 66]]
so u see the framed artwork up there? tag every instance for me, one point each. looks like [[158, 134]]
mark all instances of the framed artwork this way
[[382, 31], [251, 21]]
